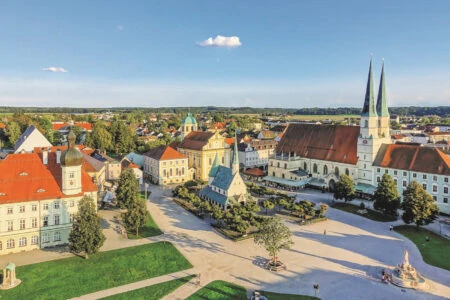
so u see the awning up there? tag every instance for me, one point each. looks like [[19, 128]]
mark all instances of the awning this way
[[318, 182], [297, 183], [365, 188]]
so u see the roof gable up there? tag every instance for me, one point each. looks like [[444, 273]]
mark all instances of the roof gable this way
[[196, 140], [31, 138], [224, 178], [164, 153]]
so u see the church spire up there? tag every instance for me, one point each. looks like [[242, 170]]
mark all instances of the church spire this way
[[369, 102], [235, 166], [214, 167], [382, 107]]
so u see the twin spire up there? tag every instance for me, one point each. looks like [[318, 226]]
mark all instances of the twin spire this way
[[381, 108]]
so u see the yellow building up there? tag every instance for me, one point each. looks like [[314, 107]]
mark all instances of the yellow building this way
[[39, 195], [201, 148], [165, 165]]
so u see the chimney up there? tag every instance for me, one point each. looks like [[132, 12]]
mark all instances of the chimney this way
[[58, 156], [45, 156]]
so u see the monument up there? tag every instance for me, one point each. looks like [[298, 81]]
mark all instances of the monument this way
[[406, 276], [9, 277]]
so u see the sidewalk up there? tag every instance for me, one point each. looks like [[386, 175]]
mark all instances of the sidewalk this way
[[137, 285]]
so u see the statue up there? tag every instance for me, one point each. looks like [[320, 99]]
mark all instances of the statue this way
[[405, 259], [9, 277]]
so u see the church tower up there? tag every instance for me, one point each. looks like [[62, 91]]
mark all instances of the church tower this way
[[71, 161], [369, 141], [235, 166], [382, 110], [188, 124]]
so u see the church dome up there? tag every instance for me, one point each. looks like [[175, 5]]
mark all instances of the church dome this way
[[189, 120], [72, 156]]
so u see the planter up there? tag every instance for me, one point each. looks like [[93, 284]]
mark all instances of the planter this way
[[276, 266]]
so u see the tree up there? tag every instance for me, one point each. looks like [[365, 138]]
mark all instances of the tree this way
[[13, 132], [395, 125], [136, 216], [274, 235], [268, 205], [386, 196], [128, 190], [218, 213], [322, 209], [86, 235], [205, 206], [345, 189], [100, 138], [419, 207]]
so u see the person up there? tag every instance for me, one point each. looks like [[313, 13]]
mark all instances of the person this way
[[391, 227], [324, 232], [198, 279]]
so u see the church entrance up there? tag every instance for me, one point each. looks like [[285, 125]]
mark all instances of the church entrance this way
[[331, 185]]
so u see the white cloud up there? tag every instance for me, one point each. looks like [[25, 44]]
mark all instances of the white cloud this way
[[119, 27], [55, 70], [221, 41]]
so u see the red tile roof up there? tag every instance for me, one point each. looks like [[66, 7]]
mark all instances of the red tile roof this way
[[164, 153], [229, 141], [2, 126], [255, 172], [219, 125], [324, 142], [413, 158], [85, 125], [24, 177], [196, 140]]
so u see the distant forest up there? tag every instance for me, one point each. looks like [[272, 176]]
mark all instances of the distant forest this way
[[410, 110]]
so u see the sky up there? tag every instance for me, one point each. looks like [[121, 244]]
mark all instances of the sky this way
[[290, 54]]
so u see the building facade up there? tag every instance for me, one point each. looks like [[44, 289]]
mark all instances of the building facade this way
[[256, 153]]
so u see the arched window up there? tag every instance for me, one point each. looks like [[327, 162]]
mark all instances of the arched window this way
[[336, 171], [315, 168], [273, 173], [282, 175], [325, 170], [347, 172], [164, 173], [170, 172], [10, 244], [305, 166], [366, 123], [278, 164], [182, 171]]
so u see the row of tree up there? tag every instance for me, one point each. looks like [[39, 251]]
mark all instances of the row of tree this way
[[418, 205]]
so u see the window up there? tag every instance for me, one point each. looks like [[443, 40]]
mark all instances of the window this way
[[285, 165], [278, 164], [424, 176], [34, 222], [434, 198], [378, 170], [56, 205], [434, 178], [22, 208], [434, 188], [164, 173], [45, 206], [10, 210], [414, 175], [404, 183], [10, 244], [395, 181], [315, 168], [72, 203], [305, 167], [22, 242], [56, 219], [45, 238], [34, 207], [424, 186], [273, 173], [71, 175], [385, 171], [347, 172], [395, 172], [57, 236], [72, 218], [404, 174], [10, 226], [336, 171], [22, 224], [45, 221], [325, 170], [170, 172], [182, 171], [445, 200], [34, 240], [445, 190], [1, 245], [446, 179], [366, 123], [378, 179]]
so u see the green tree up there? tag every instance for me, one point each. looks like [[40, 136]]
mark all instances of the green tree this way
[[386, 196], [205, 206], [395, 125], [268, 205], [86, 235], [13, 132], [419, 207], [322, 209], [218, 214], [100, 138], [345, 189], [136, 216], [128, 190], [274, 235]]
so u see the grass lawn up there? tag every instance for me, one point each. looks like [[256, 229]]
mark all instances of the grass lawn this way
[[436, 252], [218, 290], [75, 276], [149, 229], [371, 214], [153, 292]]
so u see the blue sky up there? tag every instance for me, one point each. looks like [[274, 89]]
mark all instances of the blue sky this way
[[272, 54]]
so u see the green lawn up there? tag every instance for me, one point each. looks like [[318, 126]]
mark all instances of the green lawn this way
[[149, 229], [75, 276], [218, 290], [371, 214], [153, 292], [435, 252]]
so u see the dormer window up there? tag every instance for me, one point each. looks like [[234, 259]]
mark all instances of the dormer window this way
[[2, 194], [40, 191], [23, 174]]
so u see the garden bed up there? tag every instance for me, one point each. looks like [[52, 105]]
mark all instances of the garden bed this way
[[233, 235], [370, 214]]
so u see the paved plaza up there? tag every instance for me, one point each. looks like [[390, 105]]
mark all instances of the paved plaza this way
[[345, 262]]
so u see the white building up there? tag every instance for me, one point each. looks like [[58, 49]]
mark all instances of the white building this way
[[31, 138]]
